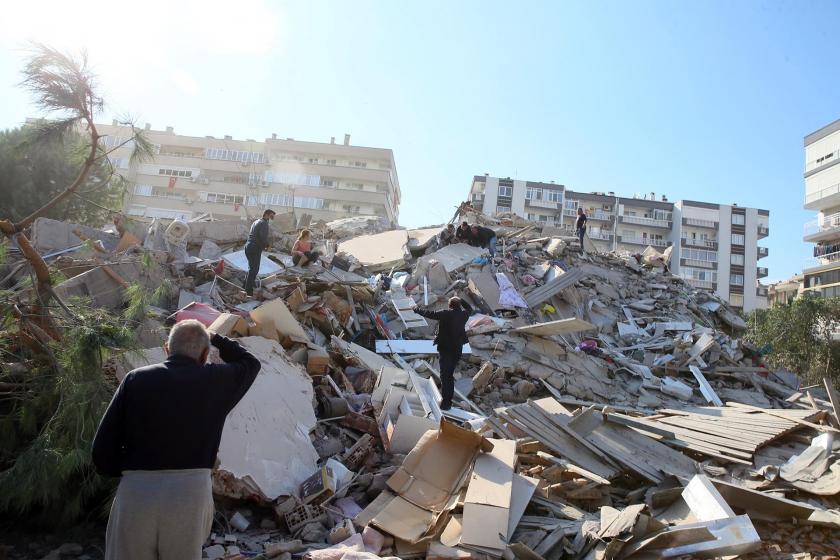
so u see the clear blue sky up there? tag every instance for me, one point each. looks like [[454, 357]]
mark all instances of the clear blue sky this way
[[697, 100]]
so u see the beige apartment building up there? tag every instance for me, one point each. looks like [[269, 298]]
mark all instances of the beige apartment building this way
[[191, 176]]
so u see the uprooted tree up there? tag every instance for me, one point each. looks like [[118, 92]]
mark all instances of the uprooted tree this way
[[799, 337], [52, 387]]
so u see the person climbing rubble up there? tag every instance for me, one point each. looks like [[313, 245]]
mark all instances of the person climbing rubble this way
[[580, 226], [464, 234], [161, 434], [450, 339], [259, 240], [485, 238], [302, 253]]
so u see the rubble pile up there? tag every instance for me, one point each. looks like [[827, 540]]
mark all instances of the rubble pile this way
[[604, 408]]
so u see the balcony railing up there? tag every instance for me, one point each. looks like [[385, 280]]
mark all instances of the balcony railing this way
[[763, 231], [599, 235], [642, 221], [602, 216], [763, 252], [704, 243], [696, 222], [832, 221], [704, 284], [761, 291], [569, 212], [700, 264], [762, 272], [639, 240], [822, 193], [822, 260]]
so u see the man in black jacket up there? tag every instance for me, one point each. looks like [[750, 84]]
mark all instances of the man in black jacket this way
[[450, 339], [259, 239], [161, 433], [485, 238], [464, 234]]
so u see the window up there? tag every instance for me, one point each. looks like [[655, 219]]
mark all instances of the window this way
[[662, 215], [506, 191], [699, 255], [736, 279], [737, 239], [357, 186], [143, 190], [502, 209], [553, 196], [736, 300], [530, 216], [290, 179], [736, 259], [359, 164], [234, 155], [119, 163], [175, 172], [570, 204], [309, 202], [313, 160], [700, 274], [330, 162], [222, 198], [275, 199], [533, 194], [327, 183], [543, 218], [738, 219]]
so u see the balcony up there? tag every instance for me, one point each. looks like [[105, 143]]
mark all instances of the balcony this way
[[763, 231], [702, 284], [600, 215], [699, 264], [763, 252], [702, 243], [642, 221], [761, 272], [569, 212], [641, 240], [761, 291], [538, 203], [823, 229], [823, 198], [696, 222], [822, 260], [599, 236]]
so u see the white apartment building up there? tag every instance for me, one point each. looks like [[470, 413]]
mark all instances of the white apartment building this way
[[822, 193], [715, 246], [230, 179]]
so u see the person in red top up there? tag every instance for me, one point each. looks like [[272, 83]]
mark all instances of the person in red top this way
[[302, 253]]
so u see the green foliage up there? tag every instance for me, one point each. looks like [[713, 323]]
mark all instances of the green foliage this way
[[33, 172], [47, 429], [799, 336]]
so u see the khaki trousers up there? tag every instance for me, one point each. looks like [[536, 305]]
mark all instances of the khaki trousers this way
[[160, 515]]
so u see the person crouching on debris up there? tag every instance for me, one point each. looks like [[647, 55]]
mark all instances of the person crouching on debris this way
[[485, 238], [447, 235], [161, 433], [464, 234], [450, 339], [580, 226], [302, 253], [259, 240]]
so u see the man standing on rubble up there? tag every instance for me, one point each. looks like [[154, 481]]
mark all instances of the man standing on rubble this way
[[580, 226], [161, 433], [259, 240], [450, 339], [486, 238], [464, 234]]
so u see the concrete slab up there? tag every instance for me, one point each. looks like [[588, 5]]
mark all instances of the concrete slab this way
[[265, 444], [379, 251], [50, 235], [453, 257]]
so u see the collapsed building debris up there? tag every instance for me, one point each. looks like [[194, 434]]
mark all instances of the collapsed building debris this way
[[604, 408]]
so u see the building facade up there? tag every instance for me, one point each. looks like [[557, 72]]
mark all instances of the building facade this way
[[822, 193], [715, 246], [785, 291], [229, 179]]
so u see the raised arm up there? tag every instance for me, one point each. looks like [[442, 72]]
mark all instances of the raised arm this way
[[239, 371], [429, 314]]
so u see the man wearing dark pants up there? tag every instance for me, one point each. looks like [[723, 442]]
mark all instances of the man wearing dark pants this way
[[486, 238], [161, 434], [580, 226], [450, 339], [258, 241]]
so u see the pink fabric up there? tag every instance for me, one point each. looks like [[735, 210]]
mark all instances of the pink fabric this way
[[201, 312]]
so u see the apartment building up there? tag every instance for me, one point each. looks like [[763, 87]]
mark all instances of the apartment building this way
[[715, 246], [822, 193], [785, 291], [231, 179]]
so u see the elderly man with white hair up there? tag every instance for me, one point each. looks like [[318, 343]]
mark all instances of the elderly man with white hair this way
[[161, 433]]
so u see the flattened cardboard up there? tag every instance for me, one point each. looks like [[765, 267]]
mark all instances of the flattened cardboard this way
[[404, 520], [488, 497], [521, 492], [229, 323], [431, 472]]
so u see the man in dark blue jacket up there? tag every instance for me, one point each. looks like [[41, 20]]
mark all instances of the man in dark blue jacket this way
[[161, 433], [450, 339], [259, 239]]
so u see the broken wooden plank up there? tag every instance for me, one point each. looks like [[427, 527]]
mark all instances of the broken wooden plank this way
[[705, 388], [561, 326]]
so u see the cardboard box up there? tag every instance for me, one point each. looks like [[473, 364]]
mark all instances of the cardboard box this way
[[228, 324], [427, 480]]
